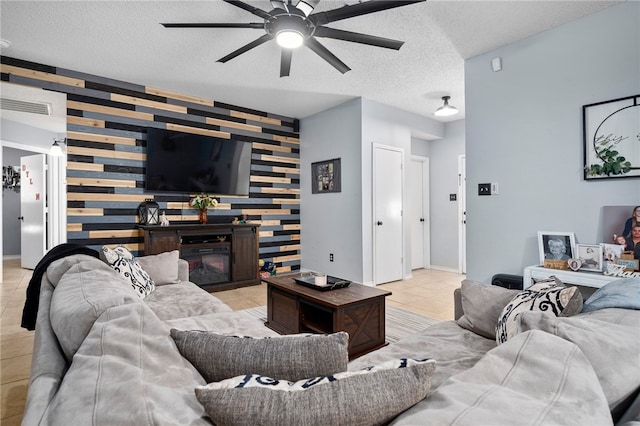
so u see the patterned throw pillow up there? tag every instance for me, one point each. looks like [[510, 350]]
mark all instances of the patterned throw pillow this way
[[374, 395], [547, 297], [123, 262]]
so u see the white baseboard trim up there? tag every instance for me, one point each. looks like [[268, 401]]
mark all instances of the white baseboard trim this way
[[10, 256], [444, 268]]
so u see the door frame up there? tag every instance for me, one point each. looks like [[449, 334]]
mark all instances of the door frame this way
[[56, 193], [375, 147], [426, 210], [462, 215]]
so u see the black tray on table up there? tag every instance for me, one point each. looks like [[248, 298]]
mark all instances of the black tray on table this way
[[333, 283]]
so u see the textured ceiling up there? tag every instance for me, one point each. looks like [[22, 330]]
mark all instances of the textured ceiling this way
[[124, 40]]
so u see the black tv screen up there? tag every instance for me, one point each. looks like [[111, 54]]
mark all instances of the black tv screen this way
[[190, 163]]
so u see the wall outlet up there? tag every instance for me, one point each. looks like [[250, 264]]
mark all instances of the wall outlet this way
[[453, 197], [330, 257], [484, 189]]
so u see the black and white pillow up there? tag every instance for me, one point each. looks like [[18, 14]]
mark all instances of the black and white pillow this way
[[390, 388], [548, 297], [123, 262]]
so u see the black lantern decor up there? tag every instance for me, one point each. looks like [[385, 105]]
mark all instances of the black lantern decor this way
[[148, 212]]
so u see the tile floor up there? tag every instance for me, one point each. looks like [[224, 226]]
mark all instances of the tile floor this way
[[429, 292]]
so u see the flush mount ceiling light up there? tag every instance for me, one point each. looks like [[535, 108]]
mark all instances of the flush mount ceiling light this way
[[446, 110], [56, 149], [294, 23]]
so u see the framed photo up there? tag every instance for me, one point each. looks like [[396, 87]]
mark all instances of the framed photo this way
[[611, 252], [325, 176], [556, 245], [629, 264], [590, 255], [610, 130]]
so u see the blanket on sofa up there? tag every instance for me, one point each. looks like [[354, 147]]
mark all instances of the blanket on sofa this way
[[30, 311]]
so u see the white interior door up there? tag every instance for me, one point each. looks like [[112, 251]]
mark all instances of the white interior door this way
[[462, 215], [387, 211], [418, 207], [32, 209]]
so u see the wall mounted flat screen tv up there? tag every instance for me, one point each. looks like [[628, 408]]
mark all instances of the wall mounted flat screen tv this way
[[190, 163]]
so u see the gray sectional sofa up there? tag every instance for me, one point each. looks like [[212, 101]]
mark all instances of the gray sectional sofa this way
[[104, 356]]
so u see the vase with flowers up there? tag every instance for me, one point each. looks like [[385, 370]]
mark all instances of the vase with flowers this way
[[203, 202]]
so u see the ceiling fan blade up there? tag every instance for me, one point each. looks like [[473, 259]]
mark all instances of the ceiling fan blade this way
[[221, 25], [245, 48], [324, 53], [358, 9], [258, 12], [285, 62], [358, 38]]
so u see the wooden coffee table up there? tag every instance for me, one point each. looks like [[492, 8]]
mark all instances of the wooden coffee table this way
[[358, 309]]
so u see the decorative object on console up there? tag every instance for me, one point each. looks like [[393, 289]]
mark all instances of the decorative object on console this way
[[574, 264], [325, 176], [590, 257], [556, 247], [163, 220], [203, 202], [611, 137], [148, 212]]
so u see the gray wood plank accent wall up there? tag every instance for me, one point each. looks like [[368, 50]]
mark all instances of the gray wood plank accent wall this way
[[106, 154]]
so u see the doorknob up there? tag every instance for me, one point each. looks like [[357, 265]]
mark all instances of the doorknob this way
[[21, 218], [379, 223]]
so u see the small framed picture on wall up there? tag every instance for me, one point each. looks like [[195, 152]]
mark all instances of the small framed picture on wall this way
[[325, 176], [591, 256]]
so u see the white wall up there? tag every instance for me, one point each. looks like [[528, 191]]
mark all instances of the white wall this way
[[524, 130], [443, 178], [330, 222], [341, 223]]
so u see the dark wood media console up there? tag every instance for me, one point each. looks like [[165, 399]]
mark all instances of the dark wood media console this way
[[220, 256]]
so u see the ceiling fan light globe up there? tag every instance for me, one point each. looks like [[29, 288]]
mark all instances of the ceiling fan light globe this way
[[290, 39]]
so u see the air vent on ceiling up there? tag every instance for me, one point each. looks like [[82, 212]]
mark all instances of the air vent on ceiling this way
[[43, 108]]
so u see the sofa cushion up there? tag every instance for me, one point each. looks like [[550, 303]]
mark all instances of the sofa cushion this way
[[534, 378], [482, 305], [123, 262], [183, 300], [371, 396], [548, 297], [162, 267], [84, 288], [128, 372], [612, 349], [293, 357]]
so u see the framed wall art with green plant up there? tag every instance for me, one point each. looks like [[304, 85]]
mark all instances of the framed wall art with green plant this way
[[612, 138]]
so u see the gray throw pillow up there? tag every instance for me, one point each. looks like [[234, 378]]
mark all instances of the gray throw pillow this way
[[546, 297], [372, 396], [162, 267], [482, 305], [295, 357]]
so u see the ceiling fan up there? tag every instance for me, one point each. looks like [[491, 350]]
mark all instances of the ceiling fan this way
[[294, 24]]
